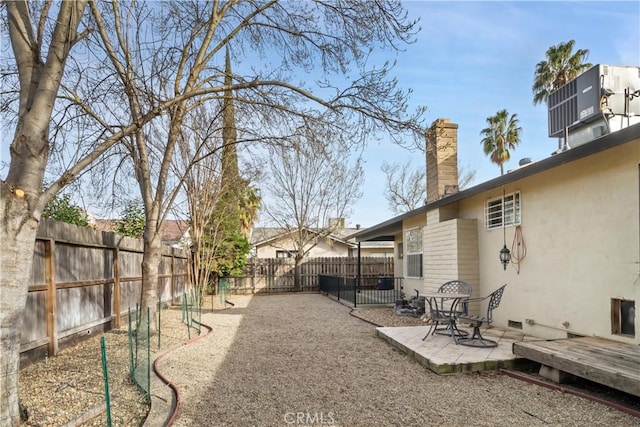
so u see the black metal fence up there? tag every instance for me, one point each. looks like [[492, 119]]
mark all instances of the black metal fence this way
[[343, 288], [380, 290], [277, 275]]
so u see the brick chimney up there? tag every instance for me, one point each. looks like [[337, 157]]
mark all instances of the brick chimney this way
[[442, 159]]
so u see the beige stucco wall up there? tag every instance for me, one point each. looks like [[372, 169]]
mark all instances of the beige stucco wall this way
[[451, 252], [325, 248], [398, 261], [580, 224]]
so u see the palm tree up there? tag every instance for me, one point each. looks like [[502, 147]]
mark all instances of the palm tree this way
[[502, 135], [560, 67], [250, 203]]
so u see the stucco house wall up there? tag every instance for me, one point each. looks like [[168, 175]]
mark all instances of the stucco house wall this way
[[325, 248], [451, 252], [398, 257], [580, 225]]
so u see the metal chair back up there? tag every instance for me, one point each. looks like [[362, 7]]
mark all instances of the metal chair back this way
[[455, 287], [494, 302]]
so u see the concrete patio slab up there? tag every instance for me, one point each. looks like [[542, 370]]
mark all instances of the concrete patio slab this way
[[442, 355]]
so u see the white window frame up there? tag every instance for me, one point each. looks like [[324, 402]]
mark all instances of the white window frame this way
[[413, 252], [284, 254], [503, 211]]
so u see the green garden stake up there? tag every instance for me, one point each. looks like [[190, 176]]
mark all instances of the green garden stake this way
[[131, 367], [105, 374], [137, 316], [184, 305]]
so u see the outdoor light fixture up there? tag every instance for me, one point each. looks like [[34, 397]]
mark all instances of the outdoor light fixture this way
[[505, 256], [505, 253]]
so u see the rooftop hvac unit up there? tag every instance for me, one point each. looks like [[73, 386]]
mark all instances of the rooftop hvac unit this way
[[586, 106]]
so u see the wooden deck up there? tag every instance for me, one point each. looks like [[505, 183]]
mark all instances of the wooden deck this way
[[607, 362]]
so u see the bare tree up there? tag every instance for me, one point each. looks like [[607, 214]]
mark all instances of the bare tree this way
[[309, 186], [202, 187], [22, 199], [306, 40], [406, 188], [167, 62]]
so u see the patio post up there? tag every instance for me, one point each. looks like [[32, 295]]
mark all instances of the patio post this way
[[358, 278]]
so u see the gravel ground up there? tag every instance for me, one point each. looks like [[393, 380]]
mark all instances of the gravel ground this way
[[303, 360], [291, 360]]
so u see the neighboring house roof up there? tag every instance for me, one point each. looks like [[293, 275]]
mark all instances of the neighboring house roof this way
[[104, 224], [385, 231], [261, 236], [174, 230], [171, 232]]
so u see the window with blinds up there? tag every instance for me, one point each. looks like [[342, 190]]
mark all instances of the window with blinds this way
[[413, 247]]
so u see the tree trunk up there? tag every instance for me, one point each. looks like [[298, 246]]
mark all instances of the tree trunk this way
[[150, 265], [17, 234], [297, 274]]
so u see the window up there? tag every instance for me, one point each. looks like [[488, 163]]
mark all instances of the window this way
[[623, 317], [413, 240], [502, 211], [286, 254]]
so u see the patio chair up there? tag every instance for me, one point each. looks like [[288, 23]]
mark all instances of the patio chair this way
[[476, 339], [444, 313]]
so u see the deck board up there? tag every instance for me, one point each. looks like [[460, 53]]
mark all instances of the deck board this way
[[614, 364]]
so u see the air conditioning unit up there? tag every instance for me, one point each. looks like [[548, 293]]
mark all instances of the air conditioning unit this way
[[603, 99]]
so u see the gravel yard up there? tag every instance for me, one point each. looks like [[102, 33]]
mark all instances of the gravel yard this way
[[303, 360], [300, 359]]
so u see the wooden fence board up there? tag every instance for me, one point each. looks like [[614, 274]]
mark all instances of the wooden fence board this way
[[266, 275], [83, 279], [38, 266], [129, 295], [35, 327], [130, 263]]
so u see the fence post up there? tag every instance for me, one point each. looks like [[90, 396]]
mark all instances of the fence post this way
[[50, 275], [173, 276], [116, 287], [253, 277], [355, 294]]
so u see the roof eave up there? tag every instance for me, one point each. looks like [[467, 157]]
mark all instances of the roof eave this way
[[385, 230]]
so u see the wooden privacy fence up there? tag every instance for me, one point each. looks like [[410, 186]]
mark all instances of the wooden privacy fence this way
[[273, 275], [84, 280]]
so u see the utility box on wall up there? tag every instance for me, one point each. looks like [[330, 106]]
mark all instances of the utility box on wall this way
[[601, 100]]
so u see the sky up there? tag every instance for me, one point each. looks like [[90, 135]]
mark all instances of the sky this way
[[472, 59]]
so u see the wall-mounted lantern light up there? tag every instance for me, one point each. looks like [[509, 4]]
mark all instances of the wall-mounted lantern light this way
[[505, 253], [505, 256]]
